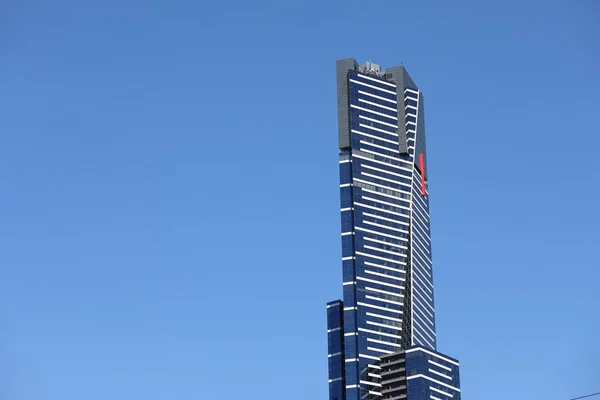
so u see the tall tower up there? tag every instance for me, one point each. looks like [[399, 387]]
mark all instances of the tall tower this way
[[387, 312]]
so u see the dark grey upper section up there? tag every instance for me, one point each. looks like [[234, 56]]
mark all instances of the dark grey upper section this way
[[402, 79], [343, 103]]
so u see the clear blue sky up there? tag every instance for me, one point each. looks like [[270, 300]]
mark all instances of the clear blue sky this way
[[169, 217]]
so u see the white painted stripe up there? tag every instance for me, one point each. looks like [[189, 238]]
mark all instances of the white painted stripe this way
[[383, 317], [396, 269], [385, 210], [439, 373], [385, 226], [433, 354], [333, 330], [373, 112], [394, 253], [334, 355], [358, 228], [378, 121], [371, 86], [395, 181], [377, 104], [360, 278], [382, 342], [401, 246], [379, 333], [381, 258], [336, 379], [394, 328], [440, 365], [388, 204], [411, 91], [397, 303], [389, 172], [434, 381], [379, 147], [371, 383], [369, 357], [384, 275], [440, 391], [375, 137], [377, 80], [379, 308], [376, 129], [380, 350], [432, 397], [376, 97], [395, 221], [344, 161]]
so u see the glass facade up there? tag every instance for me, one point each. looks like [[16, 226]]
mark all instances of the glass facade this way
[[388, 303]]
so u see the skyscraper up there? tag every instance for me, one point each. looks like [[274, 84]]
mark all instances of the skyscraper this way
[[381, 336]]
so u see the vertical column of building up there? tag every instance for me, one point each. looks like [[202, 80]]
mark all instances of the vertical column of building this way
[[335, 350]]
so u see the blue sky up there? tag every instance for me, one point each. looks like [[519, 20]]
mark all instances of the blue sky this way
[[169, 217]]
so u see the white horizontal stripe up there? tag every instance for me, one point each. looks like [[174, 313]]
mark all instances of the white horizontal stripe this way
[[375, 137], [376, 129], [370, 358], [385, 226], [371, 383], [389, 204], [397, 303], [378, 121], [379, 333], [440, 365], [333, 330], [433, 354], [336, 379], [345, 185], [379, 308], [383, 317], [377, 80], [358, 228], [396, 269], [351, 386], [373, 112], [434, 381], [371, 86], [379, 147], [389, 196], [409, 176], [384, 275], [381, 258], [344, 161], [432, 397], [347, 233], [348, 283], [397, 182], [334, 354], [394, 253], [346, 209], [386, 243], [360, 278], [440, 391], [377, 104], [395, 221], [382, 341], [387, 164], [411, 91], [376, 97], [383, 325], [439, 373], [380, 350]]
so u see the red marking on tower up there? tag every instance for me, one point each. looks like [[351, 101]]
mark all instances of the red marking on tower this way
[[422, 166]]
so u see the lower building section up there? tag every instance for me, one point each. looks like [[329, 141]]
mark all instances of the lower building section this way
[[414, 373]]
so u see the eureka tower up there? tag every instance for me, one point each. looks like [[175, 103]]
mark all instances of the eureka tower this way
[[381, 336]]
